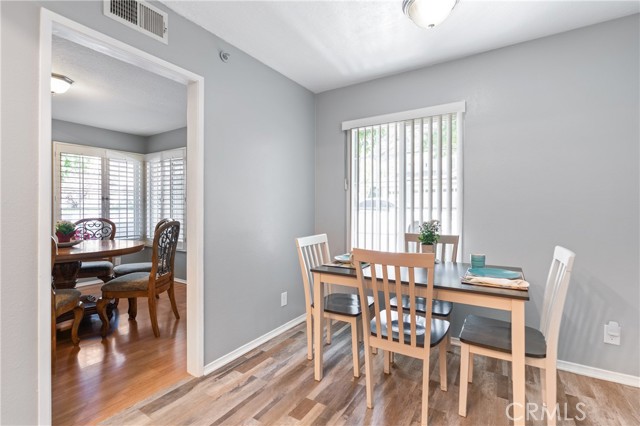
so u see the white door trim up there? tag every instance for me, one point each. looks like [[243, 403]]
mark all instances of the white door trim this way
[[49, 23]]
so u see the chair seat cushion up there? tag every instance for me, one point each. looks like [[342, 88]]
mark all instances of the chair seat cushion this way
[[439, 328], [98, 267], [495, 334], [130, 268], [137, 281], [440, 308], [344, 304], [66, 296]]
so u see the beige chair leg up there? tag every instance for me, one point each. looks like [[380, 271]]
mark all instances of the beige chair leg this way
[[464, 379], [329, 324], [309, 336], [153, 314], [470, 367], [442, 355], [354, 348], [78, 313], [543, 383], [425, 392], [551, 397], [368, 368], [387, 362]]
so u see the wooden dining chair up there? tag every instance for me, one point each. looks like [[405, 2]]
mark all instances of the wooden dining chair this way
[[130, 268], [146, 284], [63, 301], [96, 229], [393, 329], [491, 337], [314, 251], [440, 309]]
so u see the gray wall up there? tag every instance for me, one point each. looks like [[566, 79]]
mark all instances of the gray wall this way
[[550, 157], [258, 193], [168, 140], [64, 131]]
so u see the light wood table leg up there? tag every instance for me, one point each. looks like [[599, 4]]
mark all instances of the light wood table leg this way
[[517, 362], [318, 321]]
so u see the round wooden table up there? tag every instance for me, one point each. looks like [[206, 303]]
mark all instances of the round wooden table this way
[[69, 260]]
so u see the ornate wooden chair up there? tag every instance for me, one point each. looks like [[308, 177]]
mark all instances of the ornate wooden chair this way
[[491, 337], [146, 284], [96, 229], [393, 329], [63, 301], [130, 268], [314, 251]]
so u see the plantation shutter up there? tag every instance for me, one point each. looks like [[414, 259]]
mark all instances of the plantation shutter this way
[[125, 204], [166, 189]]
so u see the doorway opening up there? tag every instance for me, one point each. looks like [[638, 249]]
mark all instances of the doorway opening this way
[[52, 24]]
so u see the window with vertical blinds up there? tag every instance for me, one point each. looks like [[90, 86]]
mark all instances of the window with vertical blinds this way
[[402, 173], [166, 189], [96, 182]]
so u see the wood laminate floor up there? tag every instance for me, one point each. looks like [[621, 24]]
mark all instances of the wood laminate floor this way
[[103, 377], [274, 385]]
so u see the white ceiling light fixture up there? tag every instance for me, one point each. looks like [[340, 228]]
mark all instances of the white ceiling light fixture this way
[[428, 13], [60, 83]]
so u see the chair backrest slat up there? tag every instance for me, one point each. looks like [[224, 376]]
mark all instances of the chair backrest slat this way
[[394, 274], [312, 251], [554, 297], [446, 244]]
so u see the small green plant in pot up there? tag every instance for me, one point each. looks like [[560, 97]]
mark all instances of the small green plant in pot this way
[[65, 230], [429, 235]]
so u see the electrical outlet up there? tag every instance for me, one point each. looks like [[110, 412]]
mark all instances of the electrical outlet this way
[[612, 333], [283, 298]]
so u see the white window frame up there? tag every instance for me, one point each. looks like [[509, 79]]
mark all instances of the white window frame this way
[[457, 108]]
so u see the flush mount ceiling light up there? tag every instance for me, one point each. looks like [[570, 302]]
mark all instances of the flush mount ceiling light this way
[[428, 13], [60, 83]]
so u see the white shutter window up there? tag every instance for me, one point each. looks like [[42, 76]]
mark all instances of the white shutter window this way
[[80, 182], [125, 202], [166, 189], [404, 173], [97, 182]]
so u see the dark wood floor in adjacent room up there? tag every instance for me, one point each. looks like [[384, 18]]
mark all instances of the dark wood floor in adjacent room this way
[[101, 378], [274, 385]]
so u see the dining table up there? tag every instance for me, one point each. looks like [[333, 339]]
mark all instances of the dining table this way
[[447, 286], [70, 256]]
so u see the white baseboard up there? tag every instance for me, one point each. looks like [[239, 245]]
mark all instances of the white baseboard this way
[[225, 359], [598, 373], [585, 370], [180, 280], [92, 282]]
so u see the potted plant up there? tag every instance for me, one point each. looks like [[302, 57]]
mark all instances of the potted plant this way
[[65, 230], [429, 235]]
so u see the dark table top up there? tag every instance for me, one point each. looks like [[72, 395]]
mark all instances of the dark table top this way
[[447, 276]]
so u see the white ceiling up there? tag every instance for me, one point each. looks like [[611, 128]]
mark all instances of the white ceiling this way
[[115, 95], [321, 45], [324, 45]]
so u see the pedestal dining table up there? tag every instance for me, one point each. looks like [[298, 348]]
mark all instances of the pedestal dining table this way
[[448, 286], [69, 259]]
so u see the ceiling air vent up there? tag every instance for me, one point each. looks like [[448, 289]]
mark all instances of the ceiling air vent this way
[[139, 15]]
